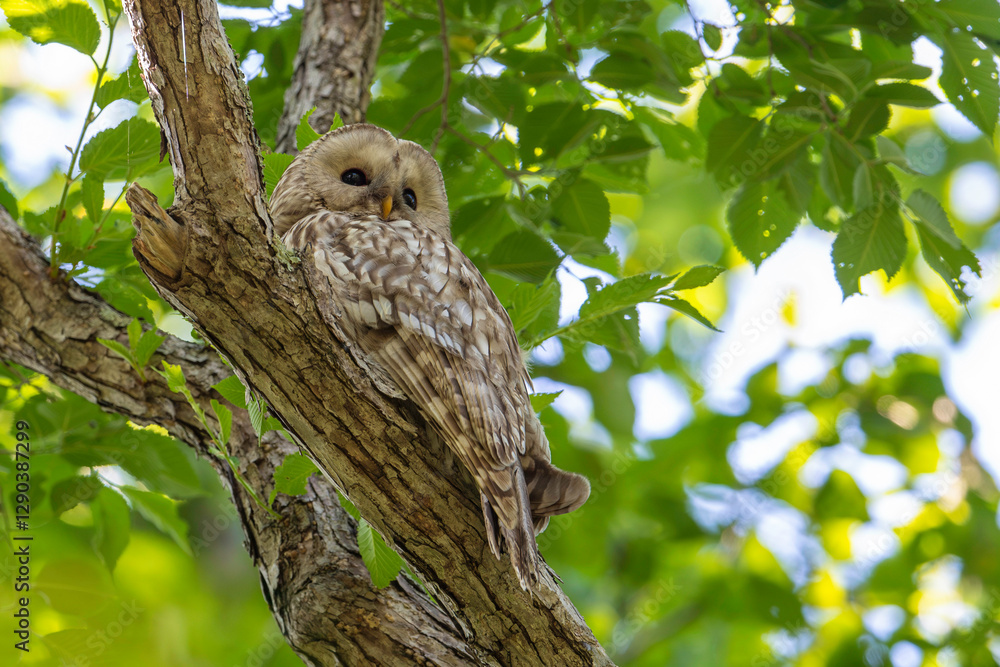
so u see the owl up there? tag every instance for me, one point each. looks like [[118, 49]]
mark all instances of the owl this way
[[371, 212]]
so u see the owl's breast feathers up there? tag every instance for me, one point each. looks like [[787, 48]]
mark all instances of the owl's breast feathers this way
[[421, 309]]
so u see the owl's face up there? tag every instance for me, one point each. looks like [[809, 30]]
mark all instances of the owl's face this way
[[364, 170]]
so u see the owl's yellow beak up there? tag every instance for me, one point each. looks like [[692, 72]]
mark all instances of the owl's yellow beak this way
[[386, 207]]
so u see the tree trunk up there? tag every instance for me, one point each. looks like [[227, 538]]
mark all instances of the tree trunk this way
[[334, 65], [212, 257]]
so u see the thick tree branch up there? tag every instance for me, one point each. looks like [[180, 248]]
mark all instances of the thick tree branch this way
[[316, 583], [270, 319], [334, 65]]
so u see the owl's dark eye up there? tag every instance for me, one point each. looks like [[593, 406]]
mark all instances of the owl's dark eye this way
[[354, 177], [410, 197]]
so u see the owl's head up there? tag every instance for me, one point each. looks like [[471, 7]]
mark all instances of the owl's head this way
[[364, 170]]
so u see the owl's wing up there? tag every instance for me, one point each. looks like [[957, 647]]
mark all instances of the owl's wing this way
[[427, 315]]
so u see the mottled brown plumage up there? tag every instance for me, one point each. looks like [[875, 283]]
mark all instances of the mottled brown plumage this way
[[420, 309]]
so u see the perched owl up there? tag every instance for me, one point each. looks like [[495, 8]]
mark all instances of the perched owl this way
[[373, 213]]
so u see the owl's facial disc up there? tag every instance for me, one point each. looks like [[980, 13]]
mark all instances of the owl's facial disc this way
[[370, 196]]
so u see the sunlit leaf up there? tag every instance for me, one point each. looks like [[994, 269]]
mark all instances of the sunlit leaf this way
[[969, 79], [161, 512], [233, 391], [870, 240], [124, 151], [8, 201], [68, 22], [760, 220], [112, 524]]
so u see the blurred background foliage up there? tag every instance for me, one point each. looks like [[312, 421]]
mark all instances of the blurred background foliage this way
[[814, 485]]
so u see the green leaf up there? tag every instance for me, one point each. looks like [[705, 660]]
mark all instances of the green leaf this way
[[679, 142], [118, 349], [382, 562], [890, 153], [621, 70], [900, 69], [730, 146], [156, 460], [863, 186], [904, 94], [349, 506], [225, 417], [940, 246], [92, 191], [134, 332], [684, 307], [699, 276], [760, 220], [147, 347], [868, 117], [968, 78], [68, 22], [981, 16], [582, 207], [948, 261], [233, 391], [174, 375], [291, 476], [8, 201], [551, 129], [304, 134], [836, 172], [622, 294], [930, 215], [275, 165], [840, 497], [712, 35], [523, 255], [126, 86], [70, 492], [162, 513], [160, 462], [337, 123], [682, 49], [529, 302], [74, 586], [256, 410], [112, 525], [125, 151], [113, 8], [872, 239], [541, 401]]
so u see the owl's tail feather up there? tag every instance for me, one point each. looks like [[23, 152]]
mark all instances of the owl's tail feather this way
[[553, 491], [518, 539]]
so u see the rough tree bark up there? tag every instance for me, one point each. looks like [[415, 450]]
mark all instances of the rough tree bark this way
[[334, 65], [228, 278], [314, 579]]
